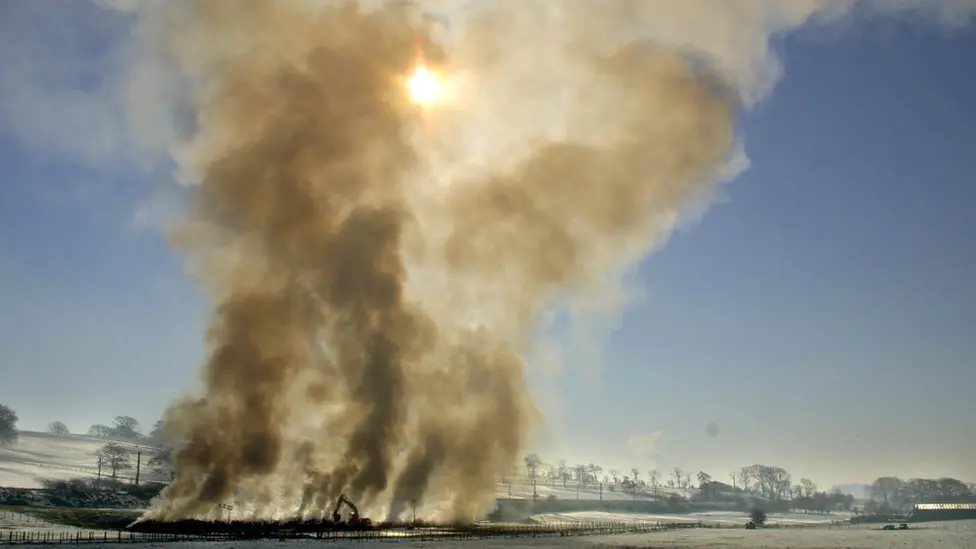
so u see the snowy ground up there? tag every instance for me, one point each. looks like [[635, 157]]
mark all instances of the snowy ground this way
[[716, 518], [948, 536], [956, 535], [523, 490], [63, 457], [39, 456], [21, 522]]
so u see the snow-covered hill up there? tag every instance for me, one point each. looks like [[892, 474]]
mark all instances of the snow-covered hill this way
[[38, 456], [522, 489]]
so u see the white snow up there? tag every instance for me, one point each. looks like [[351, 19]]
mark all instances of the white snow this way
[[956, 535], [716, 518], [21, 522], [38, 456], [522, 489]]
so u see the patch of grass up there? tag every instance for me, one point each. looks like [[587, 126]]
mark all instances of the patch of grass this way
[[91, 519]]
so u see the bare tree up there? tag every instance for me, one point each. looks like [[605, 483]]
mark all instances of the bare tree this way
[[57, 428], [161, 460], [890, 492], [918, 489], [126, 427], [652, 475], [100, 431], [677, 474], [157, 435], [532, 463], [114, 456], [704, 480], [768, 481], [745, 479], [615, 475], [8, 425], [580, 475], [562, 471], [952, 488], [636, 475], [809, 488], [594, 470]]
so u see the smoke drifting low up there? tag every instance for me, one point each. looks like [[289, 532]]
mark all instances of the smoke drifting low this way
[[378, 272]]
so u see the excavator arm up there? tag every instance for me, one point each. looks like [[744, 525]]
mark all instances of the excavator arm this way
[[336, 516], [353, 510], [354, 518]]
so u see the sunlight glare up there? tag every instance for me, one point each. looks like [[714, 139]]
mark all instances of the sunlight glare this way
[[424, 87]]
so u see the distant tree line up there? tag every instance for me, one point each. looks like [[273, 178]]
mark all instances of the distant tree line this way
[[126, 427], [117, 457], [894, 495], [770, 483], [758, 484]]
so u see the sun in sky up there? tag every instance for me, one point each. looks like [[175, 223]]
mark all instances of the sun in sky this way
[[424, 86]]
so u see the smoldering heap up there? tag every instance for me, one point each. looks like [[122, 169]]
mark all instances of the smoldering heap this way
[[375, 292]]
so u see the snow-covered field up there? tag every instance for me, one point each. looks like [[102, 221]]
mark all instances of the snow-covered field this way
[[716, 518], [523, 490], [956, 535], [21, 522], [63, 457], [39, 456], [945, 536]]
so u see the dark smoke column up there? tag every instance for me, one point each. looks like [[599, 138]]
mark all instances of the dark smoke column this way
[[367, 335], [301, 210]]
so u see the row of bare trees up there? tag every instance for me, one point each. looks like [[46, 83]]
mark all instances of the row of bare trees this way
[[765, 481], [588, 475], [126, 427], [894, 495], [115, 457]]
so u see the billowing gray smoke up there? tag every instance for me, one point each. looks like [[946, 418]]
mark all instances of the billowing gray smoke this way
[[321, 195], [378, 271]]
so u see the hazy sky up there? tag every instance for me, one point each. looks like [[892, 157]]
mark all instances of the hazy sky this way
[[822, 316]]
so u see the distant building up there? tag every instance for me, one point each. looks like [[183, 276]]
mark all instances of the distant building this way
[[716, 488], [945, 509], [945, 506]]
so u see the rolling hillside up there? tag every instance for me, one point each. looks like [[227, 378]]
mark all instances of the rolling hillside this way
[[38, 456]]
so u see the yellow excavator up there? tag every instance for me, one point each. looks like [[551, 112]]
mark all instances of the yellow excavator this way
[[354, 519]]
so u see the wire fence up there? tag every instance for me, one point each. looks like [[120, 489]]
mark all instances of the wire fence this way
[[147, 475], [41, 537], [48, 533], [8, 515]]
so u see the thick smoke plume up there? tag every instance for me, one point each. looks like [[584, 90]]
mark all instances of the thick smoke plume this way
[[375, 293], [378, 271]]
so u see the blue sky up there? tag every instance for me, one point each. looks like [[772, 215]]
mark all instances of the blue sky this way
[[822, 315]]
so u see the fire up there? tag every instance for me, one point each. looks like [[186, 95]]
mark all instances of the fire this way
[[424, 86]]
